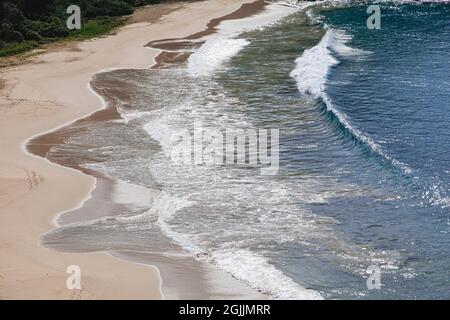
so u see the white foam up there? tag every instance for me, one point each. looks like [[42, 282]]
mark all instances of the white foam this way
[[213, 53], [133, 195], [224, 45], [248, 267], [313, 16], [271, 14], [375, 147], [311, 74], [253, 269], [416, 2], [164, 208], [130, 116], [160, 129], [314, 65], [257, 272]]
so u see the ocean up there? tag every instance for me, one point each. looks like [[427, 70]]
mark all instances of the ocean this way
[[364, 145]]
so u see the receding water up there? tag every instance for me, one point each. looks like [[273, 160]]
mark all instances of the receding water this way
[[364, 145]]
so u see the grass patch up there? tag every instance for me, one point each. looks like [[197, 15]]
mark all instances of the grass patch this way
[[96, 27], [17, 48]]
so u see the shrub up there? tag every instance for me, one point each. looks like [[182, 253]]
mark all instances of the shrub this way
[[24, 23], [38, 8], [52, 28], [8, 34], [12, 13], [31, 35], [112, 8]]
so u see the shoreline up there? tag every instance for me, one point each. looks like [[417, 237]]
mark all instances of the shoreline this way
[[32, 271]]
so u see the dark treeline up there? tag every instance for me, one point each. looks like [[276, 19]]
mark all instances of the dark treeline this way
[[28, 23]]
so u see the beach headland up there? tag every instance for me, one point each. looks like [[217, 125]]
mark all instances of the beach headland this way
[[47, 93]]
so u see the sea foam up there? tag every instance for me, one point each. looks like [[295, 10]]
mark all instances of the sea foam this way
[[311, 74], [249, 267], [314, 65], [257, 272], [220, 48], [213, 53]]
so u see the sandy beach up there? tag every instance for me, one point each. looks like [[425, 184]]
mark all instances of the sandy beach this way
[[46, 93], [224, 150]]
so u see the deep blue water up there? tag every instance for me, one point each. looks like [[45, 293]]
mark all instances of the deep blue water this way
[[376, 142], [399, 95], [364, 157]]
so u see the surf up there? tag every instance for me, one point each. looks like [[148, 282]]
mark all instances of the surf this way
[[311, 75]]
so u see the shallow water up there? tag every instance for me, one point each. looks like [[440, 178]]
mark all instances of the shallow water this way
[[364, 146]]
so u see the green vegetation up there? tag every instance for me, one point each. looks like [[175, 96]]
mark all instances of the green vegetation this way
[[27, 24], [96, 27], [15, 48]]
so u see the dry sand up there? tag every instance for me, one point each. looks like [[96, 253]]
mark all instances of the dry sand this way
[[46, 93]]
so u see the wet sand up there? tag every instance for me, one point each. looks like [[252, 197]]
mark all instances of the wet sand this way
[[170, 46], [46, 93]]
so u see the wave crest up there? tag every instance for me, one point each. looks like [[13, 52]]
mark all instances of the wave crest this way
[[311, 74], [314, 65]]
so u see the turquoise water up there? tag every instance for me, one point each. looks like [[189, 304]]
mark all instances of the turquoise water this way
[[378, 123], [364, 146]]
